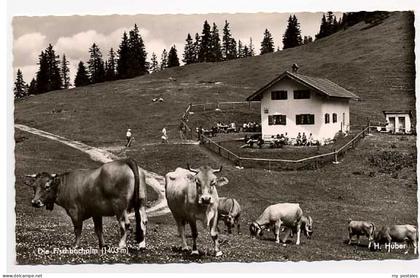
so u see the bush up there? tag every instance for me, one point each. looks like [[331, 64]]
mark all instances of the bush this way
[[391, 162]]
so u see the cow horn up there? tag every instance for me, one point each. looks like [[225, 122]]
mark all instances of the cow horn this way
[[31, 176], [191, 169], [218, 170], [53, 175]]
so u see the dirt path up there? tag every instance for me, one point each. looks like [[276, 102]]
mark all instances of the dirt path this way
[[154, 180]]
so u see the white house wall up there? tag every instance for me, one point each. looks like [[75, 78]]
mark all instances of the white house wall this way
[[397, 127], [317, 105]]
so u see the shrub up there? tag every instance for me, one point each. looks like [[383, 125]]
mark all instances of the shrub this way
[[391, 162]]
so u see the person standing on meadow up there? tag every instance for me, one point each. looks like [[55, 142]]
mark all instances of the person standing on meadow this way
[[129, 137]]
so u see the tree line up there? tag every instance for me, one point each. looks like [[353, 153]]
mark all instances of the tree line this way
[[130, 60]]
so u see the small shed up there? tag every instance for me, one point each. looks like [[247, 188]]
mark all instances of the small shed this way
[[398, 121]]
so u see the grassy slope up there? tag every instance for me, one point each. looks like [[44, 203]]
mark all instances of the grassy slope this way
[[376, 63]]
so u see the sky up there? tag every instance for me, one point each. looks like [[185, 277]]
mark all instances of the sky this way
[[73, 35]]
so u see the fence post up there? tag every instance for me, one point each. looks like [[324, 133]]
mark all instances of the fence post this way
[[335, 157], [368, 129]]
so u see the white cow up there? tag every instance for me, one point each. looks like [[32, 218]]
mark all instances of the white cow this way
[[192, 196], [286, 214], [398, 233], [361, 228]]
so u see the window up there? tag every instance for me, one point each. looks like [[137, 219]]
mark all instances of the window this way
[[276, 95], [301, 94], [334, 117], [277, 120], [305, 119], [327, 118]]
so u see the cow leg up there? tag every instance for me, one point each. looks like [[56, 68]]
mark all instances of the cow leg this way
[[143, 225], [123, 231], [238, 225], [97, 221], [286, 236], [194, 233], [78, 225], [358, 239], [350, 236], [181, 231], [277, 226], [298, 229], [215, 237]]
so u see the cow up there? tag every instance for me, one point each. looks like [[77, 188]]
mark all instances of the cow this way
[[229, 211], [397, 233], [115, 188], [306, 223], [361, 228], [192, 196], [274, 216]]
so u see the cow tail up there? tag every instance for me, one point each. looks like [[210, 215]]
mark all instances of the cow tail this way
[[136, 199]]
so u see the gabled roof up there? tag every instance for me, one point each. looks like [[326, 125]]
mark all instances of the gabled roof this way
[[320, 85]]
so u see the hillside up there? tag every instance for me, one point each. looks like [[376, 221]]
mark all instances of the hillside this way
[[375, 62]]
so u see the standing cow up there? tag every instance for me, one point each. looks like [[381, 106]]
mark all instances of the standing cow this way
[[115, 188], [229, 211], [361, 228], [398, 233], [287, 214], [192, 196]]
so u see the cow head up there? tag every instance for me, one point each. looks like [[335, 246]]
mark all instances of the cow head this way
[[229, 222], [307, 226], [255, 230], [45, 189], [206, 182]]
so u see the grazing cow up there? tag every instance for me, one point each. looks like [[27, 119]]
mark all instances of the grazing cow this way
[[274, 216], [229, 211], [361, 228], [306, 223], [192, 196], [112, 189], [397, 233]]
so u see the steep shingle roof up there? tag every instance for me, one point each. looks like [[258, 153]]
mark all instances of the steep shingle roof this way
[[321, 85]]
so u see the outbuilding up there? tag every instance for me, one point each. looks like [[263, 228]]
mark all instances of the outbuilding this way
[[294, 103], [398, 121]]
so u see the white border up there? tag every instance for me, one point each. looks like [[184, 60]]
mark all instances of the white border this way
[[98, 7]]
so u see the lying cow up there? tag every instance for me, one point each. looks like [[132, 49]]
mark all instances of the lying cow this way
[[192, 196], [361, 228], [397, 233], [229, 211], [286, 214], [115, 188]]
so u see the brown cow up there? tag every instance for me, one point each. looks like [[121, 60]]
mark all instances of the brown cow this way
[[115, 188], [229, 211], [192, 196]]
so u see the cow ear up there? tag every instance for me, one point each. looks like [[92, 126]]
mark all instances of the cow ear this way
[[53, 175], [222, 181], [29, 179]]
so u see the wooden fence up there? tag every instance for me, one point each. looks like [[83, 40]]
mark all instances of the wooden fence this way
[[313, 162]]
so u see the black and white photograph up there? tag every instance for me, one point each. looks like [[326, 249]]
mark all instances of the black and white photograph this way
[[218, 137]]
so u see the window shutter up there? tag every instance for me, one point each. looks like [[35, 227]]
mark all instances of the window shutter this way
[[270, 120]]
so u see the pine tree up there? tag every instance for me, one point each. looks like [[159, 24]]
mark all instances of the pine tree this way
[[197, 44], [96, 65], [267, 44], [228, 43], [82, 76], [110, 68], [251, 48], [215, 47], [137, 64], [48, 77], [65, 72], [32, 90], [164, 60], [189, 51], [154, 65], [240, 49], [173, 60], [123, 58], [292, 36], [20, 89], [204, 55]]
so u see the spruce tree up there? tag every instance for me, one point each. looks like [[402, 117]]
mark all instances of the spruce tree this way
[[246, 51], [20, 89], [82, 77], [96, 65], [173, 60], [267, 44], [251, 48], [110, 69], [154, 65], [329, 25], [307, 39], [292, 36], [215, 47], [189, 51], [204, 54], [65, 72], [197, 44], [32, 90], [240, 49], [42, 75], [164, 60], [228, 50], [48, 77], [123, 61], [137, 52]]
